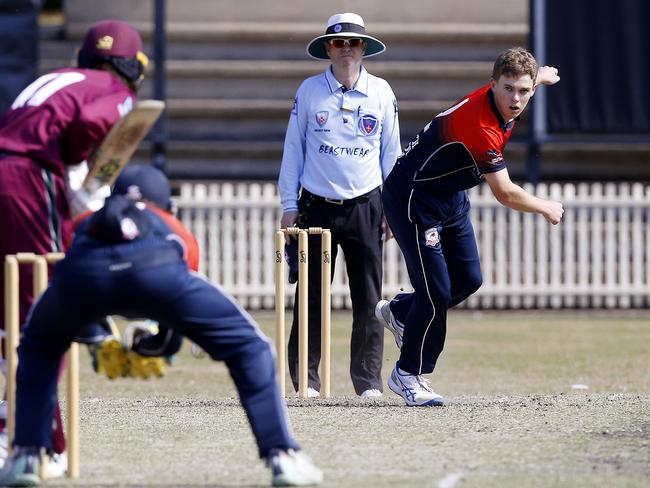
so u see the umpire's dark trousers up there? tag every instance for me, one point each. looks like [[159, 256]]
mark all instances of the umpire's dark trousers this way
[[436, 237], [356, 227]]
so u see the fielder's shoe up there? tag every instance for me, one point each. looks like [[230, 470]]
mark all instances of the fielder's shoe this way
[[197, 352], [293, 468], [414, 389], [372, 393], [21, 468], [382, 312], [3, 448], [109, 357]]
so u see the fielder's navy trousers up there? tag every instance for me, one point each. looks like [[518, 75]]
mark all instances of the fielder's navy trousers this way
[[146, 285]]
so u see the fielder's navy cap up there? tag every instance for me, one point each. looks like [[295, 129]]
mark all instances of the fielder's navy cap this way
[[144, 182]]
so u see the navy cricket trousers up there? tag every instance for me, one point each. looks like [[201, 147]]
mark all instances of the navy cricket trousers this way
[[436, 237], [147, 286]]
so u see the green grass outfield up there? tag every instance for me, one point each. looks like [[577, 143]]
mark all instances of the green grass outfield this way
[[486, 353], [515, 353], [514, 418]]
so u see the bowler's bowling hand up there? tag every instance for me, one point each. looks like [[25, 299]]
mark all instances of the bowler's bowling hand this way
[[547, 75]]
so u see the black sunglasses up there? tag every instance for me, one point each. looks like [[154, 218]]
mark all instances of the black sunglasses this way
[[339, 43]]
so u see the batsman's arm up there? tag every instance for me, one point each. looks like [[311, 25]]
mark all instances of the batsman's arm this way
[[79, 198]]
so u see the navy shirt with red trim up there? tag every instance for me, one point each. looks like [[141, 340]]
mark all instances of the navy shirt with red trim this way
[[475, 121]]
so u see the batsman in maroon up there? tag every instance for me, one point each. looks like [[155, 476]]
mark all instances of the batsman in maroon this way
[[54, 124]]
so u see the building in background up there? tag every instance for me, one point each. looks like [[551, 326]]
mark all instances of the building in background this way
[[233, 68], [18, 47]]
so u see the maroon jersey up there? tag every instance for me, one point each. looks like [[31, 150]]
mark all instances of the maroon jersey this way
[[62, 116], [56, 121]]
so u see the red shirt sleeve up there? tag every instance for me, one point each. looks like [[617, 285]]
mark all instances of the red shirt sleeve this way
[[486, 149]]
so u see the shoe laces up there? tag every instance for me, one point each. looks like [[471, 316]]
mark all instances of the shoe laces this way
[[424, 384], [417, 382], [274, 456]]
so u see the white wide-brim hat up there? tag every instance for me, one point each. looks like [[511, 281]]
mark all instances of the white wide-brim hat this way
[[344, 25]]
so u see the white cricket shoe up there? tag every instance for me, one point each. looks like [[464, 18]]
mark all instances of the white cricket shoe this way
[[293, 468], [21, 468], [311, 393], [57, 465], [382, 312], [414, 389], [4, 453], [371, 393], [197, 352]]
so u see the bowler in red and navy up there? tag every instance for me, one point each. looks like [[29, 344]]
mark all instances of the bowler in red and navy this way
[[429, 212]]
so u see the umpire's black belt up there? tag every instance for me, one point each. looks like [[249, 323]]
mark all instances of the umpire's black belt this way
[[339, 201]]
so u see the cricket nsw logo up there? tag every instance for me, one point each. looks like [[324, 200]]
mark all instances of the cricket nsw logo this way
[[321, 117], [368, 124], [431, 237]]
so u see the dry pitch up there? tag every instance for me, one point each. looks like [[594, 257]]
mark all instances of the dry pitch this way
[[514, 417]]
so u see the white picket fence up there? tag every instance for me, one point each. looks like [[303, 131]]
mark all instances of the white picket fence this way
[[598, 257]]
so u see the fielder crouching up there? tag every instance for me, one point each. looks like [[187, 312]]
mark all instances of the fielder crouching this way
[[146, 347], [127, 259]]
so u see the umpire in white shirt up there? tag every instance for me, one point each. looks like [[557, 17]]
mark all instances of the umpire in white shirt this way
[[341, 142]]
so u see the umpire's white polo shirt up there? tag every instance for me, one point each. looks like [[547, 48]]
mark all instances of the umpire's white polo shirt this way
[[339, 144]]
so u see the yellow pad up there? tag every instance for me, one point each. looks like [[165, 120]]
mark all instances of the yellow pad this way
[[145, 367], [112, 359]]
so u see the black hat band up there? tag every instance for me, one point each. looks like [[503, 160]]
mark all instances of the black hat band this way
[[346, 28]]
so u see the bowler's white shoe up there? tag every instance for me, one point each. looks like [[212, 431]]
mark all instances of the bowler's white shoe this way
[[414, 389], [293, 468], [382, 312], [372, 393]]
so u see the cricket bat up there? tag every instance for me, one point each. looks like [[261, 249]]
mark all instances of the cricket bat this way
[[115, 151]]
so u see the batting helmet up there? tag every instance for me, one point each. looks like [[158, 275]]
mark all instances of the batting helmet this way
[[117, 43], [144, 182]]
